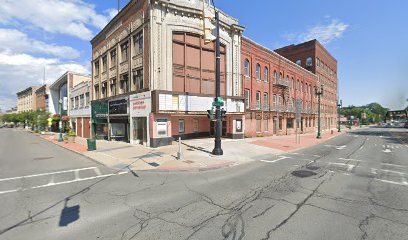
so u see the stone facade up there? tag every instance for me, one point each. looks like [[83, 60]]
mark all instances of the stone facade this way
[[26, 100]]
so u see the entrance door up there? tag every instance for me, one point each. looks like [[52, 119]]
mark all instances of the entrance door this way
[[140, 130], [275, 125], [301, 124], [223, 128]]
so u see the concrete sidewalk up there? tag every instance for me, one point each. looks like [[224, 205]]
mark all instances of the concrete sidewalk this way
[[196, 152]]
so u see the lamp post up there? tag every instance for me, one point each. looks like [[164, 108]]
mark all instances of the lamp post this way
[[339, 105], [60, 120], [319, 93]]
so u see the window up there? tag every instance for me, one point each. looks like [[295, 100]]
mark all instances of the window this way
[[81, 100], [195, 125], [266, 125], [289, 123], [266, 74], [247, 99], [124, 84], [258, 125], [299, 62], [181, 126], [104, 90], [113, 58], [104, 63], [96, 91], [97, 68], [258, 99], [258, 71], [124, 48], [138, 43], [287, 79], [317, 62], [138, 79], [72, 103], [246, 66], [274, 102], [275, 76], [87, 100], [113, 87], [265, 102], [76, 102], [309, 62], [280, 77]]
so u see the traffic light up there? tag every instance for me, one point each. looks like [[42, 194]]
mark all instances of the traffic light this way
[[210, 114], [208, 26], [223, 115]]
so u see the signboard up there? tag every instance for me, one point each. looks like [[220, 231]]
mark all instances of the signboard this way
[[99, 112], [238, 127], [140, 104], [161, 127], [65, 103], [118, 106]]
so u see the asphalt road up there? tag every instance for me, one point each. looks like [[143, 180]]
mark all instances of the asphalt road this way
[[351, 187]]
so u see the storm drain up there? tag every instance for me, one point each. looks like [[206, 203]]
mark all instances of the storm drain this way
[[43, 158], [154, 164], [303, 173]]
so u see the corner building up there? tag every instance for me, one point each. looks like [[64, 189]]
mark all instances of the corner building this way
[[314, 57], [273, 87], [153, 77]]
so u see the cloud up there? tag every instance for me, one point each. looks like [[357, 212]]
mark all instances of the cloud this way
[[325, 33], [18, 42], [19, 71], [71, 17]]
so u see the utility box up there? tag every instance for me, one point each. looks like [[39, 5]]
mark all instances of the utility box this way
[[91, 144]]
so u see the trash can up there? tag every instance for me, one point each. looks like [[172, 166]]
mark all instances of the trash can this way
[[91, 144]]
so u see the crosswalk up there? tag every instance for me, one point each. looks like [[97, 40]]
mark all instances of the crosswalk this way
[[50, 179]]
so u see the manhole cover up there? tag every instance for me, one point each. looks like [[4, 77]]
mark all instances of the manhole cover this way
[[43, 158], [303, 173], [154, 164], [312, 167]]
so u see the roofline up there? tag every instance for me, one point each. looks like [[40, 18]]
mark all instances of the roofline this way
[[304, 43], [27, 89], [278, 55], [66, 74]]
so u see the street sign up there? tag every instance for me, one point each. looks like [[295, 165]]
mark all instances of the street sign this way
[[65, 103]]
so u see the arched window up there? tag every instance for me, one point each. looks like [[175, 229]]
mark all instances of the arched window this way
[[246, 66], [266, 74], [258, 71], [280, 77], [287, 80], [299, 62], [309, 62], [275, 76]]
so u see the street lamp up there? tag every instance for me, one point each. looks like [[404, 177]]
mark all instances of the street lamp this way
[[60, 120], [339, 105], [319, 93]]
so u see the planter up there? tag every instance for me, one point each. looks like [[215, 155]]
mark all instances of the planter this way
[[71, 139]]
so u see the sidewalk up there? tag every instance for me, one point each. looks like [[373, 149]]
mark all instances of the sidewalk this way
[[196, 152]]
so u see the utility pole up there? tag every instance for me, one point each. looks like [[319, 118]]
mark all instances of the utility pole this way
[[339, 105], [60, 120], [319, 93], [118, 6]]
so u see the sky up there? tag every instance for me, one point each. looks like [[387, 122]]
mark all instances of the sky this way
[[369, 39]]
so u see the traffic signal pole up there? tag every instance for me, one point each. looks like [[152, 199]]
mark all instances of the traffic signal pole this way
[[217, 142]]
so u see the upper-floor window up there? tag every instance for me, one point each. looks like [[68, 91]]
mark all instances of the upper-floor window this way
[[246, 68], [266, 74], [275, 76], [265, 99], [87, 99], [299, 62], [258, 71], [82, 100], [287, 79], [76, 102], [309, 62], [138, 42], [97, 67], [317, 62], [113, 58], [124, 50], [258, 99], [247, 99], [104, 63], [138, 79], [280, 77]]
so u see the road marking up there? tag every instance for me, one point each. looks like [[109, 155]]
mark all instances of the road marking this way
[[337, 147], [387, 151], [351, 159], [76, 174], [392, 182], [362, 146], [97, 171], [304, 154], [394, 165], [392, 171], [276, 160], [9, 191], [45, 174]]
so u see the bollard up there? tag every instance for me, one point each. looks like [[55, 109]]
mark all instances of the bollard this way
[[180, 152]]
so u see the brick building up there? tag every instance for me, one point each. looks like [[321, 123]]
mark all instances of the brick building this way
[[80, 108], [314, 57], [42, 95], [153, 77], [274, 86]]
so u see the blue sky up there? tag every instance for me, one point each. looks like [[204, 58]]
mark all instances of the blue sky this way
[[368, 38]]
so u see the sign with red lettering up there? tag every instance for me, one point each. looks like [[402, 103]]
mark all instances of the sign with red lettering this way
[[140, 104]]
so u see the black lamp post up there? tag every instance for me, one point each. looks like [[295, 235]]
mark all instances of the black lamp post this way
[[319, 93], [339, 105]]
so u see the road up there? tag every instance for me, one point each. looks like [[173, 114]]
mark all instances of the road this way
[[351, 187]]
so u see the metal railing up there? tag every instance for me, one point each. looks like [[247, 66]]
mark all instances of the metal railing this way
[[282, 82]]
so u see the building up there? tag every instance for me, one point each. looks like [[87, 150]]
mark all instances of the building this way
[[61, 89], [42, 95], [80, 108], [274, 88], [314, 57], [397, 116], [26, 100], [12, 110], [153, 76]]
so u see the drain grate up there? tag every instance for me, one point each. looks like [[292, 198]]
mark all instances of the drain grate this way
[[154, 164], [303, 173], [43, 158]]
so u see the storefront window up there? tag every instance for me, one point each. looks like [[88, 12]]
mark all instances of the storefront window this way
[[118, 130], [101, 131], [181, 126]]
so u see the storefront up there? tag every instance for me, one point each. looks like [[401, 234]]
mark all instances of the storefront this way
[[140, 108], [100, 120], [119, 120]]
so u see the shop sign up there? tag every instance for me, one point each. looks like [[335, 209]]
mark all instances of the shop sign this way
[[118, 106], [140, 104], [99, 111]]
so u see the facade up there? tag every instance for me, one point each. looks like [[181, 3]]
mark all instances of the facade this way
[[80, 108], [26, 100], [314, 57], [153, 77], [396, 116], [274, 87], [42, 95], [12, 110]]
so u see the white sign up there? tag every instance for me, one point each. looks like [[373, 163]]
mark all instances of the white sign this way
[[64, 103], [161, 127], [140, 104]]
